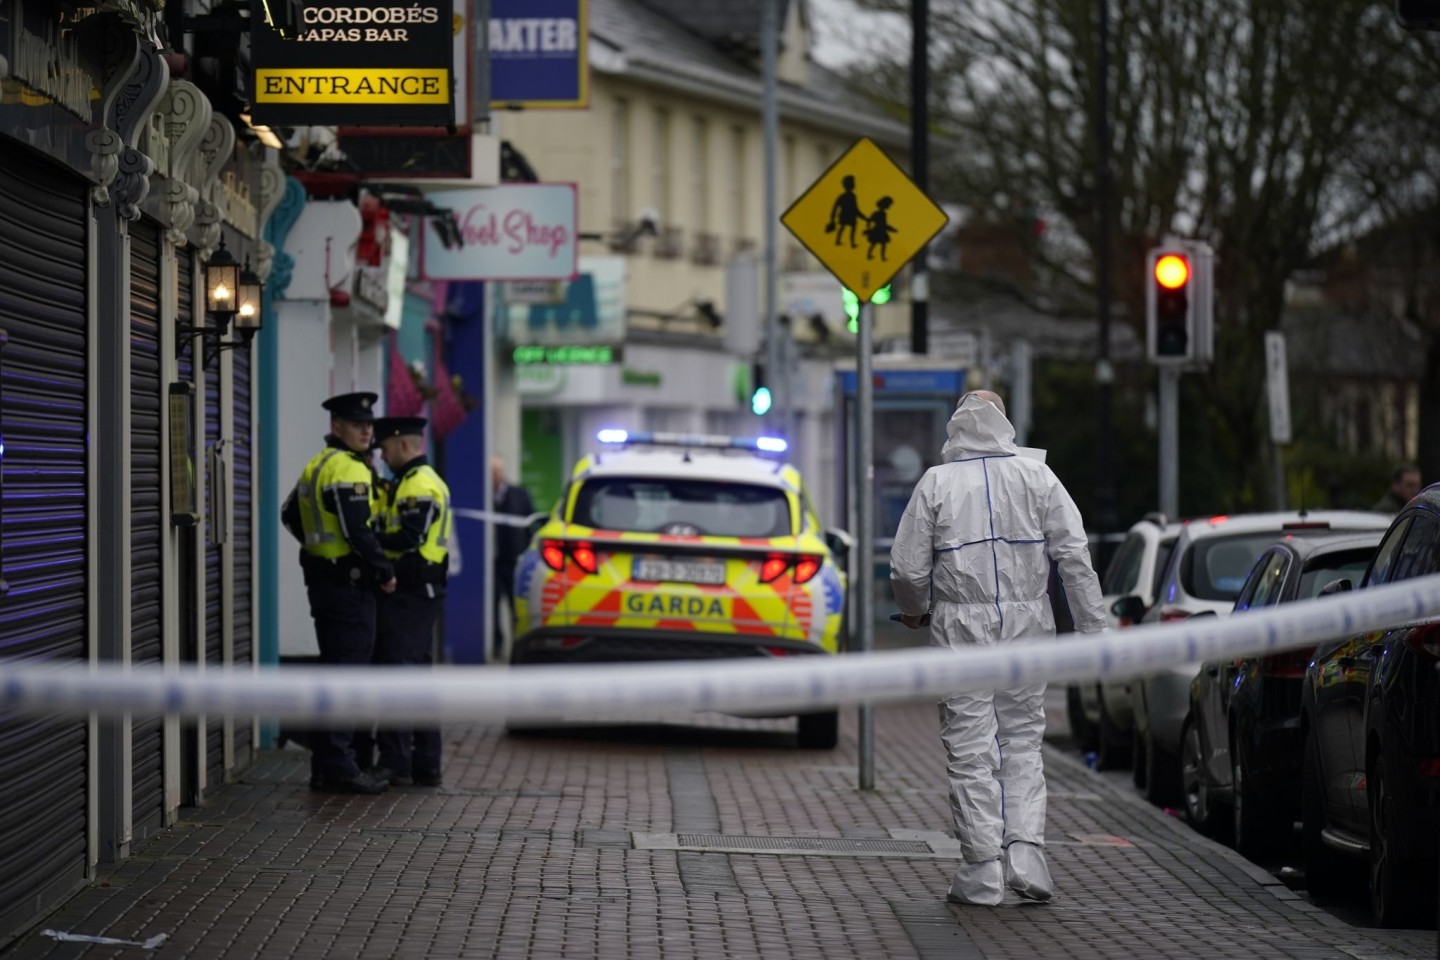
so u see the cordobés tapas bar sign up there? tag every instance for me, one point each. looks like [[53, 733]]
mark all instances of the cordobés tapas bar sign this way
[[357, 63]]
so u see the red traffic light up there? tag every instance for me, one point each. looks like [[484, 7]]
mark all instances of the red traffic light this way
[[1172, 271]]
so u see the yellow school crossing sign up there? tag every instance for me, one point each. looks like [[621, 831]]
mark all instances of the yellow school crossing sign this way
[[864, 219]]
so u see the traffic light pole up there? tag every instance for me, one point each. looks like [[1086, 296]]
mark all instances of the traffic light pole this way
[[770, 120], [1170, 441], [864, 581]]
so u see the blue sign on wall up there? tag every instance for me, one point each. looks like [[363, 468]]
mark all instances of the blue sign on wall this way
[[949, 383], [538, 53]]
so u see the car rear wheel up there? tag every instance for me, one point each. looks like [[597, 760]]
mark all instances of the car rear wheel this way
[[1199, 809], [1260, 829], [1137, 758], [1081, 729], [1399, 895], [1324, 868], [1162, 774], [819, 731], [1113, 749]]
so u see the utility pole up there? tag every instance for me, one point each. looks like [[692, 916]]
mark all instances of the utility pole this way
[[770, 120], [1104, 371], [920, 162]]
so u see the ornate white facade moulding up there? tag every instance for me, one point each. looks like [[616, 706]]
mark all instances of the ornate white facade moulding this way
[[213, 153], [272, 188], [187, 114]]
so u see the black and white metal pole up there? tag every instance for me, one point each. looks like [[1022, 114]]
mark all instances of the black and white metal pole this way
[[770, 120], [920, 167], [1105, 507], [864, 582]]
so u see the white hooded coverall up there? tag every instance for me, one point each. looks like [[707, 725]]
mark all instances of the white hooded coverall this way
[[971, 551]]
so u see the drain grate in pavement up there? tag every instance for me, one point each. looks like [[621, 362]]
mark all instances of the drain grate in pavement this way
[[718, 841], [915, 844]]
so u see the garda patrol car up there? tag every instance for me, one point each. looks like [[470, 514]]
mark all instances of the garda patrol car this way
[[670, 546]]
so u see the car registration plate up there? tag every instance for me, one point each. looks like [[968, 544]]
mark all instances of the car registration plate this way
[[658, 570]]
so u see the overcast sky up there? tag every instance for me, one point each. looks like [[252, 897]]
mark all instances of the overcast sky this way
[[844, 33]]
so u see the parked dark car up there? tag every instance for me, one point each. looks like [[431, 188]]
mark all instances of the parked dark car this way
[[1241, 749], [1370, 720]]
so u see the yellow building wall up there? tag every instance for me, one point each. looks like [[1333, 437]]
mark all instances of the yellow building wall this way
[[582, 146]]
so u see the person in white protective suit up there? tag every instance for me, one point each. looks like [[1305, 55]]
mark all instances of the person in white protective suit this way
[[971, 551]]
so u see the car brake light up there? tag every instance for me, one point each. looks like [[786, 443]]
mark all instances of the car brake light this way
[[1170, 616], [806, 568], [1219, 519], [1291, 664], [1430, 768], [1425, 640], [584, 556], [554, 552], [778, 651], [772, 568]]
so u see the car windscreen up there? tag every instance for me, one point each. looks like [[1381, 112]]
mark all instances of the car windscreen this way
[[707, 508], [1217, 566], [1320, 571], [1124, 571], [1163, 550]]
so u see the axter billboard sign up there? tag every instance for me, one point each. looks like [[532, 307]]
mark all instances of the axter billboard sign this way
[[357, 63]]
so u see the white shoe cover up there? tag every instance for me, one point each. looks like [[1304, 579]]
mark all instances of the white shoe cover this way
[[981, 884], [1026, 872]]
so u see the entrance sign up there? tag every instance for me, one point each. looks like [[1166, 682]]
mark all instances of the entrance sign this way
[[357, 63], [864, 219]]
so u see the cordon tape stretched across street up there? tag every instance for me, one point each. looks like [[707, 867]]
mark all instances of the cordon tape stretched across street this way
[[339, 695]]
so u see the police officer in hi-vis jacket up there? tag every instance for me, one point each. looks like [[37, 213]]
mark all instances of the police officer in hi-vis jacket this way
[[329, 512], [415, 528]]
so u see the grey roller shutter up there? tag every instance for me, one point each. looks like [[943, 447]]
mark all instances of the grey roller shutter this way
[[240, 539], [147, 754], [43, 505], [214, 637]]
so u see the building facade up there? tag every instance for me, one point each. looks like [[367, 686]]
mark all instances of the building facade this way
[[126, 527]]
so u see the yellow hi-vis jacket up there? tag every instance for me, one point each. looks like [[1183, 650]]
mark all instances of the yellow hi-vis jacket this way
[[329, 509], [415, 526]]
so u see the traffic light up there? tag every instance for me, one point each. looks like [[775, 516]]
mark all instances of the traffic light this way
[[760, 399], [852, 305], [1170, 307]]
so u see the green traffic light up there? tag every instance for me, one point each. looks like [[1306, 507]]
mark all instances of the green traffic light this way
[[760, 401], [852, 305]]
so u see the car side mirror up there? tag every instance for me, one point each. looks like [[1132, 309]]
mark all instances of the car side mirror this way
[[1343, 585], [1128, 609], [840, 544]]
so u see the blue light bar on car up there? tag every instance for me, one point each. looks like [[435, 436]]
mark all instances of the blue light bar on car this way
[[711, 441]]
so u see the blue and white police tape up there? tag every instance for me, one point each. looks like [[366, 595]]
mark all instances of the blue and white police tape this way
[[503, 519], [337, 695]]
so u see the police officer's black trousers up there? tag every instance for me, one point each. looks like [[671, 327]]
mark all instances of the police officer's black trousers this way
[[406, 637], [344, 615]]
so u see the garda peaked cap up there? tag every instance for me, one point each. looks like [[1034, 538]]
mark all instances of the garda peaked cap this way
[[359, 407], [387, 427]]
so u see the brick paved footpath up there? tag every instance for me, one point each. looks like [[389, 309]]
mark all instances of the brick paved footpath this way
[[530, 851]]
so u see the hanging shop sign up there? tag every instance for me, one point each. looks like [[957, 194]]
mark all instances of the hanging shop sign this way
[[538, 54], [357, 63], [516, 231]]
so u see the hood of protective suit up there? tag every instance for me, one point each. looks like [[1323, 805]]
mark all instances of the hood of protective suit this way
[[977, 428]]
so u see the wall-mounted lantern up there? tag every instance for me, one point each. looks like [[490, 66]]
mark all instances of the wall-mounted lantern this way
[[231, 293]]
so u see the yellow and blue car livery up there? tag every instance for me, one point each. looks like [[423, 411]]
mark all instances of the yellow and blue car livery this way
[[679, 547]]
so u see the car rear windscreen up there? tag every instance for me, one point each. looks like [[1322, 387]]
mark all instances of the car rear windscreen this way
[[1217, 566], [682, 507], [1321, 571]]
